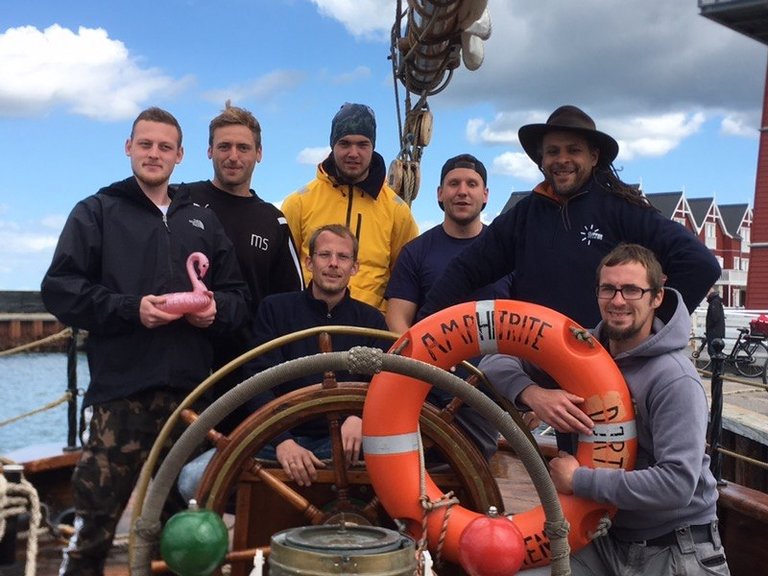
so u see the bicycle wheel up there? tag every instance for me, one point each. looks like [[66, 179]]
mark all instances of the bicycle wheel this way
[[699, 352], [765, 372], [750, 358]]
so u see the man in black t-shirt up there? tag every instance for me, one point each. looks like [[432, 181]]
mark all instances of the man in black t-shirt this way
[[265, 250]]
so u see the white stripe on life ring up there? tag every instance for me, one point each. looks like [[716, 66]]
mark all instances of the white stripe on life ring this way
[[611, 433], [485, 327], [395, 444]]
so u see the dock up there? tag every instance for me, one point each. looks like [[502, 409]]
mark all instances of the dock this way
[[23, 319]]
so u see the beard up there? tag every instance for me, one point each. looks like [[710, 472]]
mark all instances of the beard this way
[[621, 334], [151, 179]]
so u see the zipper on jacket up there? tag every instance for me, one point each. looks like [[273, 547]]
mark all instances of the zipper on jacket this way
[[359, 224], [168, 248], [349, 205]]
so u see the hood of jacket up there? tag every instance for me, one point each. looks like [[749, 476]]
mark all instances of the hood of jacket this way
[[130, 189], [671, 329], [377, 173]]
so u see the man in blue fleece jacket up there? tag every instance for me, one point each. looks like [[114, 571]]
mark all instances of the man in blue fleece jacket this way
[[554, 238], [666, 521]]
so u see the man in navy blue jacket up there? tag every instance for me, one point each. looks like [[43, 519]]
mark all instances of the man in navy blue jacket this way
[[332, 261], [554, 238]]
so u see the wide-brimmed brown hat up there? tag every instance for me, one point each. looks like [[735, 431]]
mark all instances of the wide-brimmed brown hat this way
[[568, 119]]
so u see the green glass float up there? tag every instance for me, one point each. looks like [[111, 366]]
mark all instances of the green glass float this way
[[194, 542]]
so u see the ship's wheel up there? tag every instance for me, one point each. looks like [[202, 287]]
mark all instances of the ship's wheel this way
[[266, 501]]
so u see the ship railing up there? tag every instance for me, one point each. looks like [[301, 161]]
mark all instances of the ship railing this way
[[70, 396]]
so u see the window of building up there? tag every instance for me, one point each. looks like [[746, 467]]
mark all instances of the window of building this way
[[746, 238], [710, 235]]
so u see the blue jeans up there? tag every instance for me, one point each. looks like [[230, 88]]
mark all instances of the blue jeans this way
[[192, 473]]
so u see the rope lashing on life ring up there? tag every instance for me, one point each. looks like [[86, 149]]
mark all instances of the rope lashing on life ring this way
[[547, 338]]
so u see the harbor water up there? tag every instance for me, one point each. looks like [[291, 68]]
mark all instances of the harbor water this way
[[29, 382]]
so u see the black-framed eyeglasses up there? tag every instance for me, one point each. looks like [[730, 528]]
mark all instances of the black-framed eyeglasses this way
[[628, 291]]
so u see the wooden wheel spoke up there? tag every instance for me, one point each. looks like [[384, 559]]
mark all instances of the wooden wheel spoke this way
[[311, 512], [338, 460]]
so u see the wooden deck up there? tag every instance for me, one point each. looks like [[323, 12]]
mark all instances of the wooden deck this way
[[743, 518], [514, 483]]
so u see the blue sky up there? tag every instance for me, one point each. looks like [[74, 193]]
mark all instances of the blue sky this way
[[682, 95]]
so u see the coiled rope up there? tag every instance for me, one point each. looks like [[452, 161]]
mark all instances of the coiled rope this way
[[17, 498]]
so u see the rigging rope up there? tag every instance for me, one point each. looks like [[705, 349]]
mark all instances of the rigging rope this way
[[66, 397], [31, 345]]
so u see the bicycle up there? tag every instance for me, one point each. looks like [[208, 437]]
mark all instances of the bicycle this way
[[747, 356]]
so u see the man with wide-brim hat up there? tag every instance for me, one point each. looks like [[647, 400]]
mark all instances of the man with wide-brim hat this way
[[568, 119], [568, 149], [554, 238]]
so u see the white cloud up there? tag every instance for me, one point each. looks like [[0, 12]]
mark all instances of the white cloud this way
[[54, 222], [313, 156], [516, 164], [425, 225], [541, 55], [652, 135], [495, 132], [638, 136], [13, 241], [261, 89], [359, 73], [87, 72], [738, 125], [502, 129], [370, 19]]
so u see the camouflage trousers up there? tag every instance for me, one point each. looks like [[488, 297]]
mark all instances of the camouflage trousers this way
[[117, 437]]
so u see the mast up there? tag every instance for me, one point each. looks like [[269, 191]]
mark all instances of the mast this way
[[750, 17]]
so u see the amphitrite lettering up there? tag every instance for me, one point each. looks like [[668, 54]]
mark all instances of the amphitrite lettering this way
[[482, 327]]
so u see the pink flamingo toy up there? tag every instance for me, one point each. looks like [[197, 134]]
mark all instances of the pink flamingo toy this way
[[199, 298]]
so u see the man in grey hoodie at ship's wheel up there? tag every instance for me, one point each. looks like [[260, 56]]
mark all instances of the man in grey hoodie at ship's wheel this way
[[666, 523]]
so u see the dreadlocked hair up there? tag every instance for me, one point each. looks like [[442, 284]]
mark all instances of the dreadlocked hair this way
[[609, 180]]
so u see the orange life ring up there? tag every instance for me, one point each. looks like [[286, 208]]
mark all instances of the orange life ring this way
[[545, 337]]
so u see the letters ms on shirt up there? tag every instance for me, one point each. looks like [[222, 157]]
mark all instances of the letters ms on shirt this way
[[259, 242]]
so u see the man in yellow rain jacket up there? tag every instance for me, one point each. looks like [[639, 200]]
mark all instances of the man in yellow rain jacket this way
[[350, 189]]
